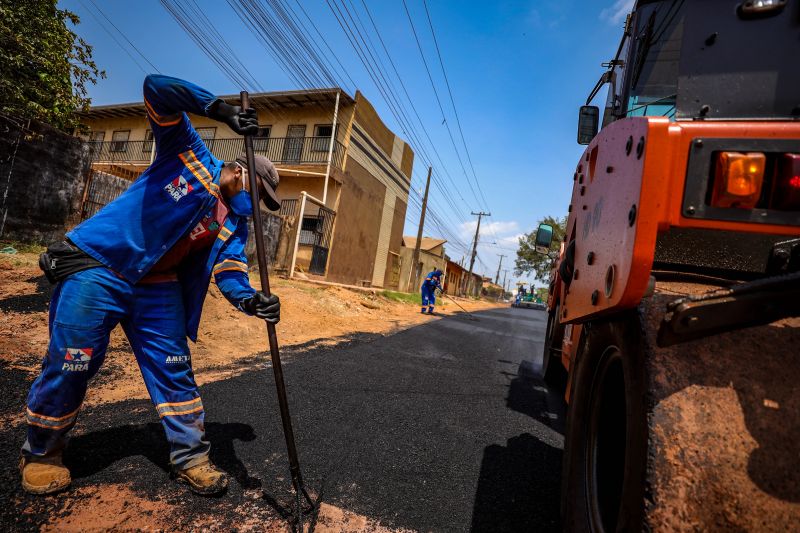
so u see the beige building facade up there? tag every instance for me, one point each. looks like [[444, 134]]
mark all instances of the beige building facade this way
[[343, 202]]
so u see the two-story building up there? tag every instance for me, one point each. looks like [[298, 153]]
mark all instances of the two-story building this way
[[343, 188]]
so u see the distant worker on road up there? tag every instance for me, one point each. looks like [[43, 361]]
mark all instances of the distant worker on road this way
[[145, 261], [432, 282]]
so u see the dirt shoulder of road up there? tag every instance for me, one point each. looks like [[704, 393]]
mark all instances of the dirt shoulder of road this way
[[229, 341]]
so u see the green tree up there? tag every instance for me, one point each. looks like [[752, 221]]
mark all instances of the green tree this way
[[44, 66], [528, 260]]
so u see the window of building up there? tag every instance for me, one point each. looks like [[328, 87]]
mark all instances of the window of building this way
[[119, 140], [207, 134], [294, 144], [98, 136], [147, 146], [322, 137], [308, 230], [261, 140]]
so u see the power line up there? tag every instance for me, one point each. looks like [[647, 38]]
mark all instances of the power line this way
[[105, 28], [124, 36], [279, 30], [325, 42], [452, 102], [408, 97], [210, 41], [438, 101], [365, 50]]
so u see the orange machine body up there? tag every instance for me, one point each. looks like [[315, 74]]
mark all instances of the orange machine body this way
[[628, 187]]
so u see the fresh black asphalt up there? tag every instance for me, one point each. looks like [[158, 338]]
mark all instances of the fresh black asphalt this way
[[441, 427]]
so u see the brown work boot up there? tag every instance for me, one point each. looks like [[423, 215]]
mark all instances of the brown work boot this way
[[44, 475], [205, 479]]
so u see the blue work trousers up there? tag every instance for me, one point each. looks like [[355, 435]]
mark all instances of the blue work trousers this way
[[84, 309], [428, 297]]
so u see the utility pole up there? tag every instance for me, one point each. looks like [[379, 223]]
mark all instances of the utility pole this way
[[497, 276], [414, 275], [474, 248], [504, 281]]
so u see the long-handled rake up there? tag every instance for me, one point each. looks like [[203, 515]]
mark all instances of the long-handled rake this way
[[469, 315], [294, 462]]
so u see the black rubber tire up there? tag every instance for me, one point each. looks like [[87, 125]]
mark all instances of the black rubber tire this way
[[605, 450], [553, 371]]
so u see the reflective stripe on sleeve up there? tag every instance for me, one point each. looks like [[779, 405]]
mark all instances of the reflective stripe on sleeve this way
[[230, 264], [169, 120], [200, 172]]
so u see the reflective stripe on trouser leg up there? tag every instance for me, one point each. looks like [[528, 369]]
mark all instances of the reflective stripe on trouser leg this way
[[157, 333], [84, 309]]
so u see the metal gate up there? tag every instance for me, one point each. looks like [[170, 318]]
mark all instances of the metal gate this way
[[322, 241], [101, 190]]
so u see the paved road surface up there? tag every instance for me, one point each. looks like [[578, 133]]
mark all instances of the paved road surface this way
[[430, 429]]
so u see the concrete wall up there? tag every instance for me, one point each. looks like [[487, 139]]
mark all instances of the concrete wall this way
[[368, 118], [42, 175], [355, 235], [291, 186], [392, 146], [407, 163], [271, 226], [367, 153], [394, 280]]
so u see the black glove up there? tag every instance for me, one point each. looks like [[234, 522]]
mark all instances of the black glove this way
[[242, 122], [259, 305]]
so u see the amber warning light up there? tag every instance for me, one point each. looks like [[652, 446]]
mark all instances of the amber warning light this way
[[738, 178]]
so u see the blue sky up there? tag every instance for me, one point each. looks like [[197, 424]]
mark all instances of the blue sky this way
[[518, 73]]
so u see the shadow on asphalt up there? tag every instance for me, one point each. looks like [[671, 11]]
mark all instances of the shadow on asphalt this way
[[93, 452], [518, 487]]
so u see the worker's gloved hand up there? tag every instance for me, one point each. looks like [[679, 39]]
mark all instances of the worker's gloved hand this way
[[259, 305], [243, 122]]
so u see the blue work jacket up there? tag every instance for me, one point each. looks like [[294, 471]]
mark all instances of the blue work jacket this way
[[130, 234], [431, 281]]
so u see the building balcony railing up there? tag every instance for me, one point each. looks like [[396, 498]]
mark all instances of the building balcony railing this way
[[279, 150]]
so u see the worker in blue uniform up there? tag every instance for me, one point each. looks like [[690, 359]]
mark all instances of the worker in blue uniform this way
[[145, 261], [432, 282]]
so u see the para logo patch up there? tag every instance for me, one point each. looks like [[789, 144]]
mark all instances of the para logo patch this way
[[77, 359], [178, 188]]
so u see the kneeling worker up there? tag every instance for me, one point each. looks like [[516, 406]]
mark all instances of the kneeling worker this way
[[145, 261], [429, 286]]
